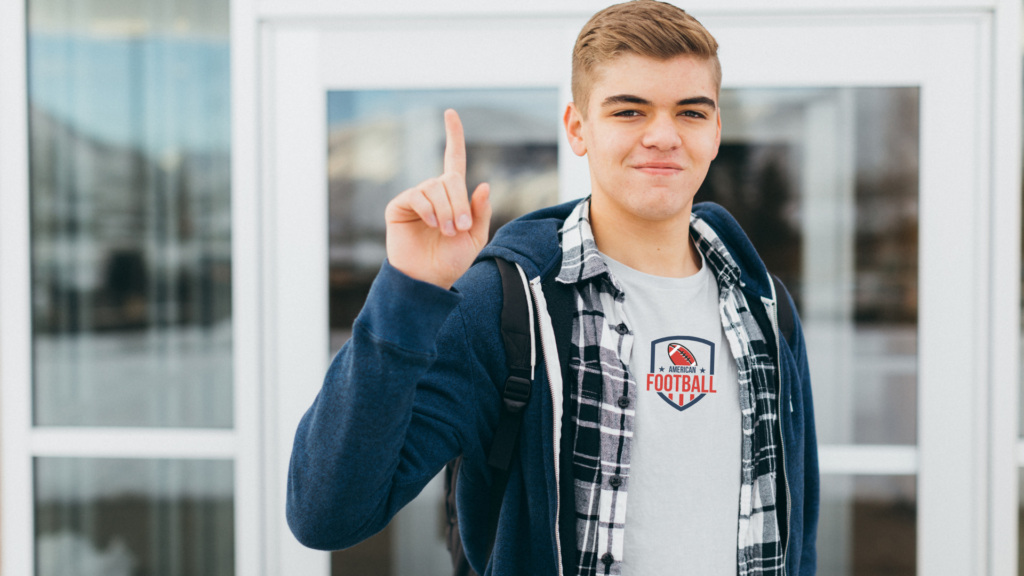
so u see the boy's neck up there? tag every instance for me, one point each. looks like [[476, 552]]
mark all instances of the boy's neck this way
[[655, 247]]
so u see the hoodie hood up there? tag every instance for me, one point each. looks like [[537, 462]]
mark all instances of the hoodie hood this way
[[532, 241], [753, 273]]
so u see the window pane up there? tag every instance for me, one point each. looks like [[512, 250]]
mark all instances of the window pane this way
[[381, 143], [825, 184], [130, 192], [868, 526], [105, 517]]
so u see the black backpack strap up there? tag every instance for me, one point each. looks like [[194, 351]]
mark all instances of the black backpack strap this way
[[520, 357], [517, 334], [787, 319], [520, 353]]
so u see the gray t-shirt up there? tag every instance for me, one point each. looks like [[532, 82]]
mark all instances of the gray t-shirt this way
[[684, 478]]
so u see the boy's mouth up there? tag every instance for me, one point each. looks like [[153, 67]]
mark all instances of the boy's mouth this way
[[659, 168]]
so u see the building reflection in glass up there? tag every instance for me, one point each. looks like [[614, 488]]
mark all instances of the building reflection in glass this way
[[113, 517], [131, 228], [881, 515], [825, 183]]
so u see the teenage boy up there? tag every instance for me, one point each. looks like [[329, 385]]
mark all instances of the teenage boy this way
[[661, 373]]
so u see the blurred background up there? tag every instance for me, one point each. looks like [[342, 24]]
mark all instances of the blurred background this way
[[155, 445]]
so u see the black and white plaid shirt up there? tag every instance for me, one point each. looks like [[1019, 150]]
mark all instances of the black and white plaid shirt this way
[[604, 396]]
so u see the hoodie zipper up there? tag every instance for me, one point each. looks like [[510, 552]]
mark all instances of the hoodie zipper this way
[[554, 373], [782, 441]]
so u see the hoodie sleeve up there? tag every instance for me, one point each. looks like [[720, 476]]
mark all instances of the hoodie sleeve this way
[[399, 400]]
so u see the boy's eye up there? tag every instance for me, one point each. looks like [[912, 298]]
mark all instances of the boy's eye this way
[[694, 114], [626, 113]]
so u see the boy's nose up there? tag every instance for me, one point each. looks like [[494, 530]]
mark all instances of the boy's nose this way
[[661, 133]]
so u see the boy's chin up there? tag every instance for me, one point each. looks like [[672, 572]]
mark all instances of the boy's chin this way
[[656, 205]]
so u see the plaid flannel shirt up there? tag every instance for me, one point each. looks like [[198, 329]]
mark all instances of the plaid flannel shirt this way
[[604, 397]]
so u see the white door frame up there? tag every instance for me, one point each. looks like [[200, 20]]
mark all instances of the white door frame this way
[[15, 318]]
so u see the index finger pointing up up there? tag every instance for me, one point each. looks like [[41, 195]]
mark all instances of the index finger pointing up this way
[[455, 145]]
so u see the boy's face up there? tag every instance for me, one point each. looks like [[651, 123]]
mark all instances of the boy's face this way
[[651, 131]]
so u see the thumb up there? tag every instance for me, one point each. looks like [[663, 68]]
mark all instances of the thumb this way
[[481, 207]]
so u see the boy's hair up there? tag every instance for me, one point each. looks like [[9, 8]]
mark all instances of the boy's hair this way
[[643, 27]]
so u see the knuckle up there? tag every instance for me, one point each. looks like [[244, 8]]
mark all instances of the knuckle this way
[[417, 206]]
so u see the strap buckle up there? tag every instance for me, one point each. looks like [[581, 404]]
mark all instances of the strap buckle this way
[[516, 394]]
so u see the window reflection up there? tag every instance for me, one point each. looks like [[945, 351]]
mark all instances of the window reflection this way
[[106, 517], [825, 183], [868, 526], [130, 192]]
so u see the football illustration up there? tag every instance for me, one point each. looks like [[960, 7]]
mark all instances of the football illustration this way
[[680, 356]]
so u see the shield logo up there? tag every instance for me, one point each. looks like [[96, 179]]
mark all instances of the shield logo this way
[[682, 370]]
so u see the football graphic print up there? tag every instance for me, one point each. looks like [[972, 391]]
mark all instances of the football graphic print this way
[[682, 370], [680, 356]]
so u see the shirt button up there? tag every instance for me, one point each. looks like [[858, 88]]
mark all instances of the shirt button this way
[[615, 481], [608, 559], [623, 401], [622, 329]]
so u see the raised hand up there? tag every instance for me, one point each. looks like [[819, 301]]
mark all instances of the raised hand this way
[[434, 231]]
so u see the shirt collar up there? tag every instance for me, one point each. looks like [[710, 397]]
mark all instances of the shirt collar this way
[[581, 259], [716, 255]]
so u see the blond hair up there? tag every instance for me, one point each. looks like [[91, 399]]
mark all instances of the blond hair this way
[[643, 27]]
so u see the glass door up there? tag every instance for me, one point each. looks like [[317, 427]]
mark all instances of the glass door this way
[[121, 451], [843, 159]]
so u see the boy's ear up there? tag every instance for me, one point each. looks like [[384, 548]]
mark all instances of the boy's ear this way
[[573, 121]]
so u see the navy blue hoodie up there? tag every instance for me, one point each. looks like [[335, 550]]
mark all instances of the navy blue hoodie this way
[[417, 385]]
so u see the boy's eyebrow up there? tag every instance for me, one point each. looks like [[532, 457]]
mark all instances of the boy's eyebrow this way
[[697, 100], [631, 99], [625, 99]]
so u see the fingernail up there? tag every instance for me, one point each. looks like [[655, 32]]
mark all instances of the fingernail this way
[[465, 222], [431, 220], [449, 229]]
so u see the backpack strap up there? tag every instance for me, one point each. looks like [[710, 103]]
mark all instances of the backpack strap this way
[[787, 320], [521, 357], [517, 334]]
